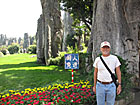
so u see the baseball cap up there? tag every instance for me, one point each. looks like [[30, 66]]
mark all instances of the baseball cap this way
[[105, 43]]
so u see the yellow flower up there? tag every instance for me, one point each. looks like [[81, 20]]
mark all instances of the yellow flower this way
[[83, 86], [89, 86], [3, 96], [22, 91], [66, 87], [38, 88], [71, 85], [7, 94], [49, 87]]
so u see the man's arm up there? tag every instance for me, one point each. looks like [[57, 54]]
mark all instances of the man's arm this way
[[95, 79], [118, 72]]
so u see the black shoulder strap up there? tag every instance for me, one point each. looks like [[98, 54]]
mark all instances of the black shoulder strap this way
[[106, 66]]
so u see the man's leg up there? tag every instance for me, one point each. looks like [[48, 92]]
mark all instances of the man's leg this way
[[110, 94], [100, 94]]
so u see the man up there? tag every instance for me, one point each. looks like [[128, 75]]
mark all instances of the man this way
[[104, 86]]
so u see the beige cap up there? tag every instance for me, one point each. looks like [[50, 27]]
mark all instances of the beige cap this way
[[105, 43]]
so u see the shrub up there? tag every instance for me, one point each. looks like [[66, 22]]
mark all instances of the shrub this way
[[32, 49], [57, 60], [5, 51], [14, 48]]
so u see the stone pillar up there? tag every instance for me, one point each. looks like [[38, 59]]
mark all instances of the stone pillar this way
[[26, 42], [67, 27], [50, 28]]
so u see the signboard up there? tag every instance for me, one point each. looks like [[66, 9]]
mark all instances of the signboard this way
[[71, 61]]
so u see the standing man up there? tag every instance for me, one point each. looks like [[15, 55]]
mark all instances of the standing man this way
[[104, 86]]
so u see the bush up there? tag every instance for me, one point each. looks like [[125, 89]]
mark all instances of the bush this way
[[32, 49], [57, 60], [5, 51], [14, 48]]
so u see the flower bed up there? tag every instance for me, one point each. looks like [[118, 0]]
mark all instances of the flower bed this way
[[58, 94]]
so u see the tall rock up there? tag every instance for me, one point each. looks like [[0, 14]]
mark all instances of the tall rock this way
[[26, 42], [49, 33], [3, 39], [117, 21], [67, 27], [40, 41]]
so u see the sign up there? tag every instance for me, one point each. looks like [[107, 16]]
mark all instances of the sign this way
[[71, 61]]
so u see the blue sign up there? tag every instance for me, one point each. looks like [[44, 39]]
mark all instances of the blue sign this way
[[71, 61]]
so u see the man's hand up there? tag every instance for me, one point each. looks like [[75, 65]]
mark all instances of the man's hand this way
[[119, 89], [94, 89]]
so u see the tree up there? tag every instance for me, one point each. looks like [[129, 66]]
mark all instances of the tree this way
[[79, 9]]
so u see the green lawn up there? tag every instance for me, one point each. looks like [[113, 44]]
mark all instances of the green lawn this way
[[20, 71]]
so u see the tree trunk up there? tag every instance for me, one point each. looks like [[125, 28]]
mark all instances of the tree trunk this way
[[117, 21]]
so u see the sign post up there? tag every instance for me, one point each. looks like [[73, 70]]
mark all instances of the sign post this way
[[72, 62]]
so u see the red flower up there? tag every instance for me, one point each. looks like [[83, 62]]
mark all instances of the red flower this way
[[54, 95], [53, 99], [16, 102], [63, 100], [46, 96], [78, 101], [31, 101], [45, 99], [57, 100], [67, 97], [36, 102], [8, 103], [21, 102], [71, 96], [26, 99], [15, 98]]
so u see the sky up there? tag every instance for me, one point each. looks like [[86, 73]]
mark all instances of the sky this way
[[19, 16]]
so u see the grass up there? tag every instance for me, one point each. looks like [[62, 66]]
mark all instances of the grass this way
[[20, 71]]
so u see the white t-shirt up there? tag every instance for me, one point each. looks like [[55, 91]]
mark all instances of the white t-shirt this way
[[103, 74]]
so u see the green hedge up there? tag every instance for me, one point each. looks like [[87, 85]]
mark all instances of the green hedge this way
[[13, 48], [32, 49]]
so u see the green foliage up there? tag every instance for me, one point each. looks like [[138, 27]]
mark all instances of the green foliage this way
[[14, 48], [57, 60], [32, 49], [71, 40], [4, 51], [81, 10], [126, 82]]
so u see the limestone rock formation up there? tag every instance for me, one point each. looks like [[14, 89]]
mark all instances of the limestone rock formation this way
[[26, 42], [67, 27], [117, 21], [3, 39], [49, 32]]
